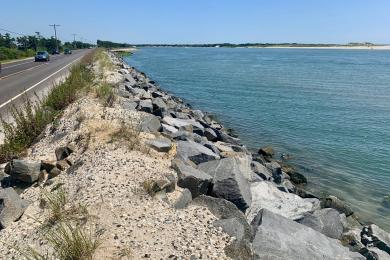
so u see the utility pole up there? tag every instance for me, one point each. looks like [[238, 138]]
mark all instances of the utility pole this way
[[74, 40], [55, 33]]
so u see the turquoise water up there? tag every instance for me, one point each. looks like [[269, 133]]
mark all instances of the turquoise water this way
[[329, 109]]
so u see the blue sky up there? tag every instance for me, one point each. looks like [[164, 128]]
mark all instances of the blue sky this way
[[204, 21]]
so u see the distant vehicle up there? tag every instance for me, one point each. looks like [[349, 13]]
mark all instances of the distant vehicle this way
[[55, 51], [67, 51], [42, 56]]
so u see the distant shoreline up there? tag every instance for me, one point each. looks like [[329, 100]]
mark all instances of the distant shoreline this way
[[362, 46], [377, 47]]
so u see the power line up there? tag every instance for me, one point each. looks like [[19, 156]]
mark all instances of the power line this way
[[2, 29]]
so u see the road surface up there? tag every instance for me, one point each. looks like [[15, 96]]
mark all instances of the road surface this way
[[26, 76]]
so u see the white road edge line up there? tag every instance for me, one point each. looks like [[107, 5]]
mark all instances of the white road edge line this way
[[36, 84]]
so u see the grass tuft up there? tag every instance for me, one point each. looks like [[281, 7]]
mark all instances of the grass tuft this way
[[73, 242], [105, 92], [129, 134]]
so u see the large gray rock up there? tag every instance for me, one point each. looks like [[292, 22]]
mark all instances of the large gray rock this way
[[169, 129], [373, 236], [146, 106], [261, 171], [11, 206], [233, 222], [159, 107], [227, 138], [193, 179], [230, 180], [129, 104], [279, 238], [210, 134], [184, 199], [266, 196], [197, 153], [130, 80], [26, 171], [185, 124], [337, 204], [327, 221], [160, 144], [276, 171], [150, 124]]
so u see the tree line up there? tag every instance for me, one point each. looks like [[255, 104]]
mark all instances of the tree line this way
[[26, 46]]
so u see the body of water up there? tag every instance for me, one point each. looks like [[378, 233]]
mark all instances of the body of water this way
[[329, 109]]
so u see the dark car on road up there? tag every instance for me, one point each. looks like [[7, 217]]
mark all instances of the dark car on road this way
[[42, 56], [67, 51], [55, 51]]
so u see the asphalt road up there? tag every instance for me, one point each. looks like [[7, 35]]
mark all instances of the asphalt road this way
[[27, 76]]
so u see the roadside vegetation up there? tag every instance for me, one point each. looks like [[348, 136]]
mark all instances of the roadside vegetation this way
[[25, 46], [66, 231], [31, 118]]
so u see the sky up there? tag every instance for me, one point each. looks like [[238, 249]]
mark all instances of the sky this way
[[202, 21]]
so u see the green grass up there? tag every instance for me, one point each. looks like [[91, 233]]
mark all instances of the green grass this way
[[7, 54], [105, 92], [31, 118]]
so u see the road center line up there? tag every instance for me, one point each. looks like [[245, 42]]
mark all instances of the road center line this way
[[36, 84]]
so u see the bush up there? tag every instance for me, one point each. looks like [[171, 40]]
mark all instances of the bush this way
[[11, 54]]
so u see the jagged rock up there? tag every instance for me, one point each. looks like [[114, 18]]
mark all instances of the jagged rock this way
[[150, 124], [169, 129], [176, 122], [261, 170], [54, 172], [280, 238], [123, 71], [337, 204], [129, 104], [145, 106], [26, 171], [123, 93], [230, 214], [373, 236], [276, 171], [297, 178], [210, 134], [160, 144], [266, 195], [267, 151], [184, 124], [327, 221], [241, 247], [230, 180], [62, 165], [258, 158], [159, 107], [184, 199], [12, 206], [193, 179], [64, 151], [47, 165], [224, 137], [197, 153], [352, 240], [131, 81]]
